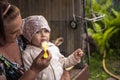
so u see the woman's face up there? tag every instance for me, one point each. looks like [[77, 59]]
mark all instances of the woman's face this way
[[40, 36], [13, 29]]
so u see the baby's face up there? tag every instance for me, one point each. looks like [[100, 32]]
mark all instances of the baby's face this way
[[40, 36]]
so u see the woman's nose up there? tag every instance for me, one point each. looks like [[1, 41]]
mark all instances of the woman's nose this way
[[20, 32]]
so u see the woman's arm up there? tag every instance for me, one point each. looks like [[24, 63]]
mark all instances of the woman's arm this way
[[38, 65], [65, 75], [29, 75]]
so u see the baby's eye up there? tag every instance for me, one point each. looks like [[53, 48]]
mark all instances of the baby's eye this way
[[46, 30]]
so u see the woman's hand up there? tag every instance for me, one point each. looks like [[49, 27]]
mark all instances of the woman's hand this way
[[40, 63], [65, 75]]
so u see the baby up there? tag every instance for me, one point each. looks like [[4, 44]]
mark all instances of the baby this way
[[36, 30]]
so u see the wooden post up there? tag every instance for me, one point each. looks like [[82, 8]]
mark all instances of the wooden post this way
[[79, 11]]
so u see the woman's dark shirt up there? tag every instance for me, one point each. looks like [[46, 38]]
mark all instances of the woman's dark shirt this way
[[12, 71]]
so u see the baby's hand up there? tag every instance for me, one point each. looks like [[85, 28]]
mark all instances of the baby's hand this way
[[78, 54]]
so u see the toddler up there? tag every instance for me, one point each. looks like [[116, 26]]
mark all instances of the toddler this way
[[36, 30]]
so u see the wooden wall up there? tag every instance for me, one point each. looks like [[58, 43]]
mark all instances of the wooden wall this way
[[59, 13]]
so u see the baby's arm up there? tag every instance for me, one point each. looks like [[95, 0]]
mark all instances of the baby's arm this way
[[73, 59]]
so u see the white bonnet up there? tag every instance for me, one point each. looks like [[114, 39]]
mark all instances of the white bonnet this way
[[33, 24]]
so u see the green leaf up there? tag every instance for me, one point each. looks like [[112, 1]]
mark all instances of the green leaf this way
[[117, 14]]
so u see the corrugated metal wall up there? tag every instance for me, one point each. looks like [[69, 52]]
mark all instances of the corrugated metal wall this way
[[59, 13]]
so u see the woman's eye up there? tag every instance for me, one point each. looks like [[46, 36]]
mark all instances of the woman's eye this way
[[13, 32], [38, 32], [16, 32]]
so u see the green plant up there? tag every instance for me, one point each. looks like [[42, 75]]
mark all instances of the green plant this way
[[96, 71], [111, 22], [106, 35]]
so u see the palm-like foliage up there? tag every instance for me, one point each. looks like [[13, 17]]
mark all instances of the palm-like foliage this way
[[111, 22]]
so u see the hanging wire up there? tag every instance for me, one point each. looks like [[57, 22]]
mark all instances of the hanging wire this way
[[73, 22], [73, 10]]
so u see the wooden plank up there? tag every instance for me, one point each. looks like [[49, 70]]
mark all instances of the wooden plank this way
[[80, 74]]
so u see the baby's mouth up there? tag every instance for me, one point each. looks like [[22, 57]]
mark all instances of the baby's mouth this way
[[43, 40]]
